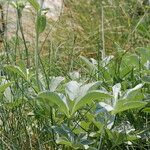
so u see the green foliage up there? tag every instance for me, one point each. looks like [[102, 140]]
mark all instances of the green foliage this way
[[40, 23], [3, 87], [34, 4], [16, 70], [50, 98], [97, 103]]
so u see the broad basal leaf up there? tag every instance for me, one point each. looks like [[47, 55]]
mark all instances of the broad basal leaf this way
[[106, 106], [131, 93], [72, 89], [51, 97], [123, 105], [64, 141], [55, 81], [89, 98], [84, 89]]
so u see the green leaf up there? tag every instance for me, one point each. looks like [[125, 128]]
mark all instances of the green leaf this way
[[146, 110], [132, 60], [64, 141], [124, 105], [132, 99], [106, 106], [119, 138], [4, 87], [146, 79], [34, 4], [144, 54], [13, 4], [84, 89], [98, 124], [72, 90], [16, 70], [133, 93], [85, 125], [107, 60], [90, 65], [116, 90], [14, 104], [40, 23], [54, 98], [89, 98], [55, 82], [147, 107]]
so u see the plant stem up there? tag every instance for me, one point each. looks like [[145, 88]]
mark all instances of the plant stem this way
[[36, 54], [102, 28], [19, 14]]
